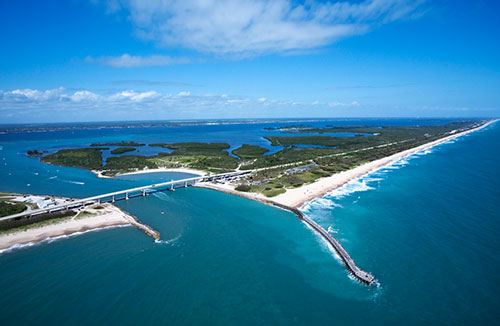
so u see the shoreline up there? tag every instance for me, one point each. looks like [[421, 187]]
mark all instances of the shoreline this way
[[297, 197], [112, 217], [292, 200], [146, 171], [304, 194]]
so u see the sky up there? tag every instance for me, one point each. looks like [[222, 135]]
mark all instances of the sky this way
[[90, 60]]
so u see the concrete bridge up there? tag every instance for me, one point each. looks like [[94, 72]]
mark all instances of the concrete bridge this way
[[351, 266], [127, 193]]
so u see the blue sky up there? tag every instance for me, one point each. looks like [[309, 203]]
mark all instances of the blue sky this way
[[131, 60]]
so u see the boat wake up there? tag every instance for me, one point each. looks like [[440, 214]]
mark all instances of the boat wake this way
[[74, 182]]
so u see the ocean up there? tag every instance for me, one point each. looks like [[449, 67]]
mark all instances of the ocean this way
[[427, 227]]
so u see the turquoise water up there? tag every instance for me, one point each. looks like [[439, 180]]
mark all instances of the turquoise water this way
[[427, 228]]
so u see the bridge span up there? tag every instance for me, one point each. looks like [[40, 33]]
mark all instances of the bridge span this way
[[351, 266], [127, 193]]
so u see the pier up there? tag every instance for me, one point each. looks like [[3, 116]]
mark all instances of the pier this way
[[348, 262]]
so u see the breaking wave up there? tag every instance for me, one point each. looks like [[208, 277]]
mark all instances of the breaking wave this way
[[169, 241], [364, 183], [56, 238]]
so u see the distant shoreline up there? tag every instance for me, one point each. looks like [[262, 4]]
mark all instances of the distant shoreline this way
[[298, 197], [294, 199]]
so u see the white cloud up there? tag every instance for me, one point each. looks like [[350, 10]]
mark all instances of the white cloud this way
[[130, 61], [343, 104], [81, 96], [28, 94], [134, 96], [184, 94], [250, 27], [133, 104]]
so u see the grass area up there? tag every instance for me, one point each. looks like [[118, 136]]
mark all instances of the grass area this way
[[246, 151], [88, 158], [9, 208], [121, 144], [270, 189], [121, 150]]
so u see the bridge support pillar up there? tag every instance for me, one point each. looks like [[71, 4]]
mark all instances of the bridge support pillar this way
[[144, 193], [185, 184], [113, 199], [126, 196]]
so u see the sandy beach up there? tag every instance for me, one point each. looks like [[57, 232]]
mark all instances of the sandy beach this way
[[297, 197], [109, 216], [181, 170]]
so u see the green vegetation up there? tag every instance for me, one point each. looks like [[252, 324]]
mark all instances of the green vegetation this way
[[249, 151], [194, 148], [348, 152], [10, 208], [87, 158], [243, 187], [121, 143], [204, 156], [121, 150], [40, 220], [289, 168], [128, 162], [313, 140]]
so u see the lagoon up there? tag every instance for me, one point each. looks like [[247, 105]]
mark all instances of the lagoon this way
[[424, 227]]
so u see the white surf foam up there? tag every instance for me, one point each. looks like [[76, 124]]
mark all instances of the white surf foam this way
[[60, 237], [169, 241]]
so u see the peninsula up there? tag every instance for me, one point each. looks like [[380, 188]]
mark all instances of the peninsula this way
[[43, 227], [311, 162], [286, 179]]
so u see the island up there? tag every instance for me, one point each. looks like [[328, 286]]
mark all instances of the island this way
[[286, 179], [120, 144], [302, 160], [121, 150]]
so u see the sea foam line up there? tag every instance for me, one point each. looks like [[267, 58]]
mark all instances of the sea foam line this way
[[59, 237], [362, 183]]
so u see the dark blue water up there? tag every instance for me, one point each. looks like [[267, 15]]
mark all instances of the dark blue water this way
[[427, 228]]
